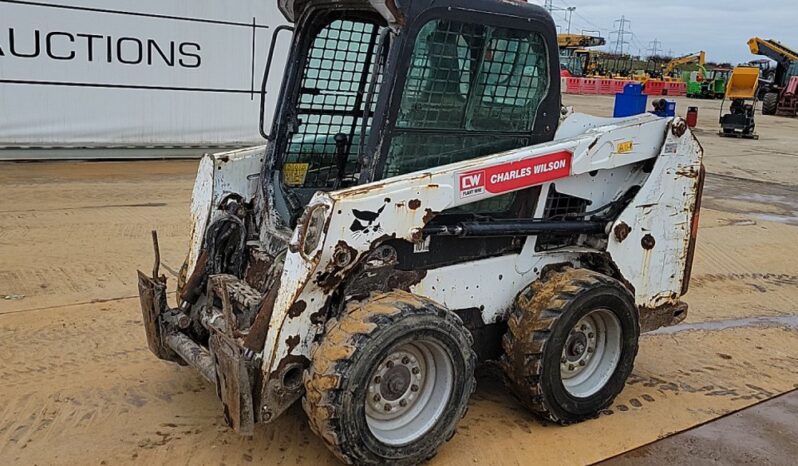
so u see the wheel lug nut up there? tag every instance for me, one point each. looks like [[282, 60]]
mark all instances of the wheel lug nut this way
[[414, 388], [405, 360], [583, 327], [377, 397], [589, 349], [387, 407], [389, 364], [377, 379], [403, 403], [590, 335], [415, 370], [570, 367], [581, 363], [563, 361]]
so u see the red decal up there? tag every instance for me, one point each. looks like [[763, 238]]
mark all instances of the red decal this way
[[516, 175]]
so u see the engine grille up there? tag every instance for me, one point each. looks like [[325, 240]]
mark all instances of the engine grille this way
[[561, 206]]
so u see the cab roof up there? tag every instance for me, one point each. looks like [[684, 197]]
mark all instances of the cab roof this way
[[397, 12]]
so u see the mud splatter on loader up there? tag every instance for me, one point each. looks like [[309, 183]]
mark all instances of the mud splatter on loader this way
[[424, 204]]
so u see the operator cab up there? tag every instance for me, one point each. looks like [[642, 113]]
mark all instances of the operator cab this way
[[376, 89]]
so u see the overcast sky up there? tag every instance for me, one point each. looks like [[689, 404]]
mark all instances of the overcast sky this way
[[721, 28]]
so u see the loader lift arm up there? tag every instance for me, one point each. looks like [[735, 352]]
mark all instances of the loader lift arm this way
[[772, 49], [785, 58], [779, 95]]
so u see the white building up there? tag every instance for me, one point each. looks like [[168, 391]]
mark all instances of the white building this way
[[116, 78]]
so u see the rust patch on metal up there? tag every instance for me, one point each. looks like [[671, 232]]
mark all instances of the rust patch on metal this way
[[622, 231], [276, 396], [233, 385], [258, 267], [378, 272], [152, 295], [292, 342], [603, 263], [414, 204], [648, 242], [428, 216], [256, 338], [679, 127], [688, 265], [689, 172], [665, 315], [331, 276], [344, 254], [297, 309], [193, 287], [320, 316]]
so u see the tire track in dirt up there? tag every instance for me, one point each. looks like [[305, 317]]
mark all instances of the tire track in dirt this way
[[99, 370], [99, 395]]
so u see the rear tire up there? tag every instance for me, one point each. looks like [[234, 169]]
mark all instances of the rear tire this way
[[571, 344], [770, 103], [390, 380]]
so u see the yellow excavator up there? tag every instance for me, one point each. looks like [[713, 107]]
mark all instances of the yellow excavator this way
[[578, 41], [575, 58], [669, 70]]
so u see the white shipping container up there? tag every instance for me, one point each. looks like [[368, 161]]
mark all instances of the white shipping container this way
[[115, 78]]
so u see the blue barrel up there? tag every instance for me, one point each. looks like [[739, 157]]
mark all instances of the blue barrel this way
[[631, 101]]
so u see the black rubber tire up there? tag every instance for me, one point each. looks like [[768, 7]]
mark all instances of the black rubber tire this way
[[770, 103], [539, 323], [337, 380]]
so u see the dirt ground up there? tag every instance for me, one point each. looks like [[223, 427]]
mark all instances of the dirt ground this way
[[80, 387]]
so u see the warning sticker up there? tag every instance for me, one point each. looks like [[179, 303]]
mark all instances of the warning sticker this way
[[294, 173], [625, 147], [515, 175]]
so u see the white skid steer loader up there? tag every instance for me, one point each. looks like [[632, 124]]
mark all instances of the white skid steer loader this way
[[422, 205]]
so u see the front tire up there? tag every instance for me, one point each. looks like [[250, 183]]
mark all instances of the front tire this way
[[390, 380], [571, 344]]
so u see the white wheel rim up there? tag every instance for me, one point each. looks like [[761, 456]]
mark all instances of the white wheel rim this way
[[591, 353], [408, 391]]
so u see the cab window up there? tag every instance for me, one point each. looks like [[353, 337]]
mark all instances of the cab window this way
[[471, 90]]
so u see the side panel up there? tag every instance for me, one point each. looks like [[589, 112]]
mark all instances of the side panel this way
[[652, 253], [359, 218], [217, 176]]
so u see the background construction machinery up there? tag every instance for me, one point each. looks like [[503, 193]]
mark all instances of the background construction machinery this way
[[779, 93]]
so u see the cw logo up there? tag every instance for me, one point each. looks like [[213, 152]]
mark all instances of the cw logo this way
[[472, 183], [472, 180]]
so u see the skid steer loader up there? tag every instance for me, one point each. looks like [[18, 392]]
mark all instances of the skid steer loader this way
[[425, 204]]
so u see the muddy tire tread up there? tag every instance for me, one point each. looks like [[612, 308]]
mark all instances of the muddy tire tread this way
[[333, 355], [538, 308]]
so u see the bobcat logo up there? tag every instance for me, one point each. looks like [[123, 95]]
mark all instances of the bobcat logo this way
[[364, 222]]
